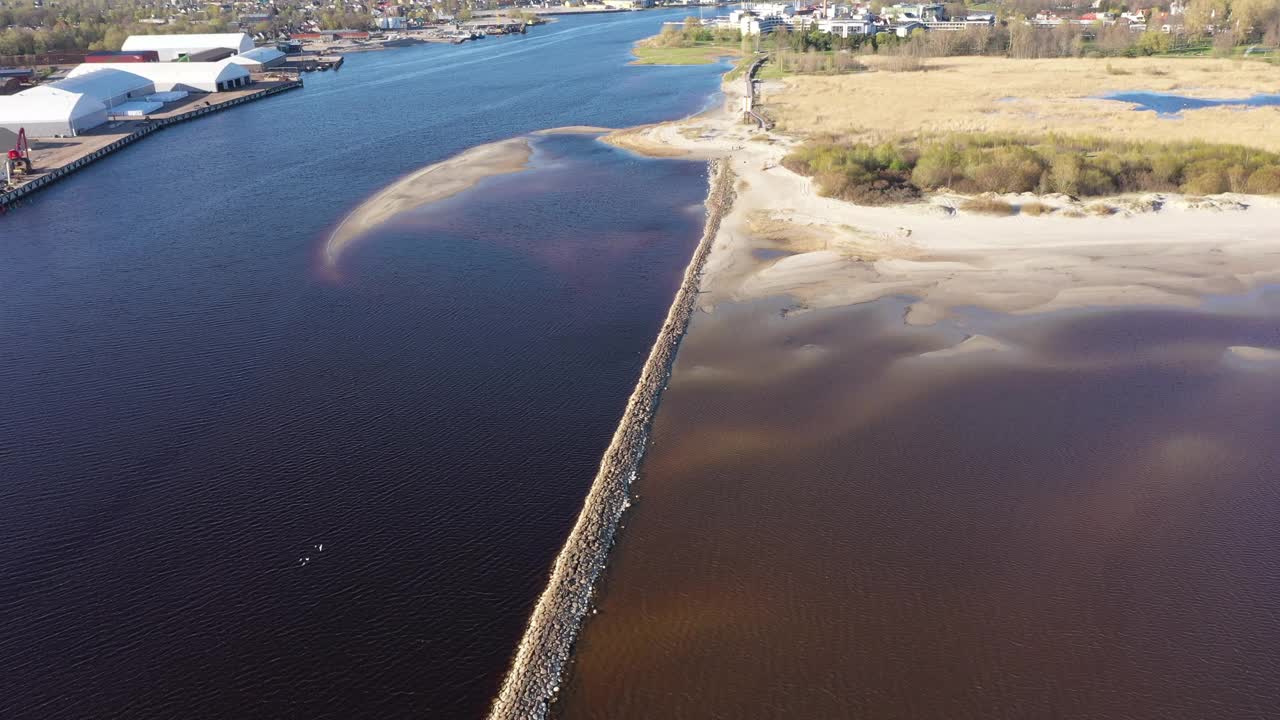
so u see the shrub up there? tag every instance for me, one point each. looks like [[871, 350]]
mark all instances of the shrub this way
[[987, 206], [1264, 181], [1082, 167], [903, 63], [1095, 181], [1035, 207], [1009, 169], [938, 166], [1152, 42], [1166, 168], [1205, 181]]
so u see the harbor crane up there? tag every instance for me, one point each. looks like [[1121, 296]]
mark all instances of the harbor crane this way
[[18, 161]]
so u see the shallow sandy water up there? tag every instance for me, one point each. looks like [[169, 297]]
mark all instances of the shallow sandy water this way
[[1081, 522]]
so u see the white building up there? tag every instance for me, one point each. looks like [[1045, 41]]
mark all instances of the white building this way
[[260, 59], [847, 26], [770, 9], [71, 106], [761, 19], [51, 115], [188, 76], [904, 29], [172, 47]]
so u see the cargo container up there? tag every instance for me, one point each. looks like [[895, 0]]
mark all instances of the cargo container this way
[[122, 56]]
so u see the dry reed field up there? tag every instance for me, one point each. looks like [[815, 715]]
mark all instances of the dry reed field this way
[[985, 94]]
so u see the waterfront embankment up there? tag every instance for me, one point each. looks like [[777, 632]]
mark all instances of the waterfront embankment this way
[[56, 159], [533, 681]]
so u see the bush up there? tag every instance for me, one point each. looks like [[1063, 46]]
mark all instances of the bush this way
[[1010, 169], [987, 206], [903, 62], [938, 166], [1264, 181], [1153, 42], [1035, 207], [983, 163], [1206, 181]]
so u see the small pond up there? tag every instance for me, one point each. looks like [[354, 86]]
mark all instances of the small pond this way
[[1169, 105]]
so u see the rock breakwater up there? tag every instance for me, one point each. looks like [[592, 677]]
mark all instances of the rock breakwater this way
[[533, 681]]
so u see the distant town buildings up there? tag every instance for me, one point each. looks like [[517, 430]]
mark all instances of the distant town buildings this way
[[847, 20]]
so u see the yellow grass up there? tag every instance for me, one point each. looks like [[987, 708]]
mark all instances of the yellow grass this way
[[968, 94]]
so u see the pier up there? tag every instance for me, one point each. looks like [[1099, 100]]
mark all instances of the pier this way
[[72, 154], [749, 113]]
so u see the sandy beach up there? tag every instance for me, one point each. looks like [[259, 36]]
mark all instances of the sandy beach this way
[[430, 184], [914, 462], [782, 238]]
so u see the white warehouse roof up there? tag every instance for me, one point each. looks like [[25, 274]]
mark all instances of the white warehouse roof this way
[[236, 42], [189, 76], [73, 105], [51, 114], [257, 56], [106, 84]]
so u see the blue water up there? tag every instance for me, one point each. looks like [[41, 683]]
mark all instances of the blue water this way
[[1169, 105], [190, 407]]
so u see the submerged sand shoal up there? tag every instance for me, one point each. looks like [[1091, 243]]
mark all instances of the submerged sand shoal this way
[[430, 184]]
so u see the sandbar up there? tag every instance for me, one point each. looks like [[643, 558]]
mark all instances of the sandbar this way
[[430, 184]]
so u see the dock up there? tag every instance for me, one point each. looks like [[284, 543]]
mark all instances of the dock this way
[[56, 158], [313, 62]]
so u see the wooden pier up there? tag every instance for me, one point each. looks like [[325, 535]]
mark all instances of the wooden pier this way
[[43, 180], [749, 113]]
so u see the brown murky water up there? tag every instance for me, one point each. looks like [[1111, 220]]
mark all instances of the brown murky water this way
[[1085, 525]]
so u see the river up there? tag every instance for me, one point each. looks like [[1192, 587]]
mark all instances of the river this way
[[235, 483]]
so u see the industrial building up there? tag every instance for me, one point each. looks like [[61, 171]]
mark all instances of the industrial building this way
[[259, 59], [188, 76], [189, 47], [62, 115], [71, 106], [92, 93]]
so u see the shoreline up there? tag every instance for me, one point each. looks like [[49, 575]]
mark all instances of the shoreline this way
[[782, 239], [669, 642], [836, 254], [533, 681]]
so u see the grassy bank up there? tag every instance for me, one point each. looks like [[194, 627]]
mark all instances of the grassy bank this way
[[981, 163], [691, 44], [700, 54], [1028, 97]]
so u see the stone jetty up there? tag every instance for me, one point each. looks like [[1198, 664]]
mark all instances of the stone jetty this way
[[532, 683]]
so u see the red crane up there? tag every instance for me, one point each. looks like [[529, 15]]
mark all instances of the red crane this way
[[19, 159]]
